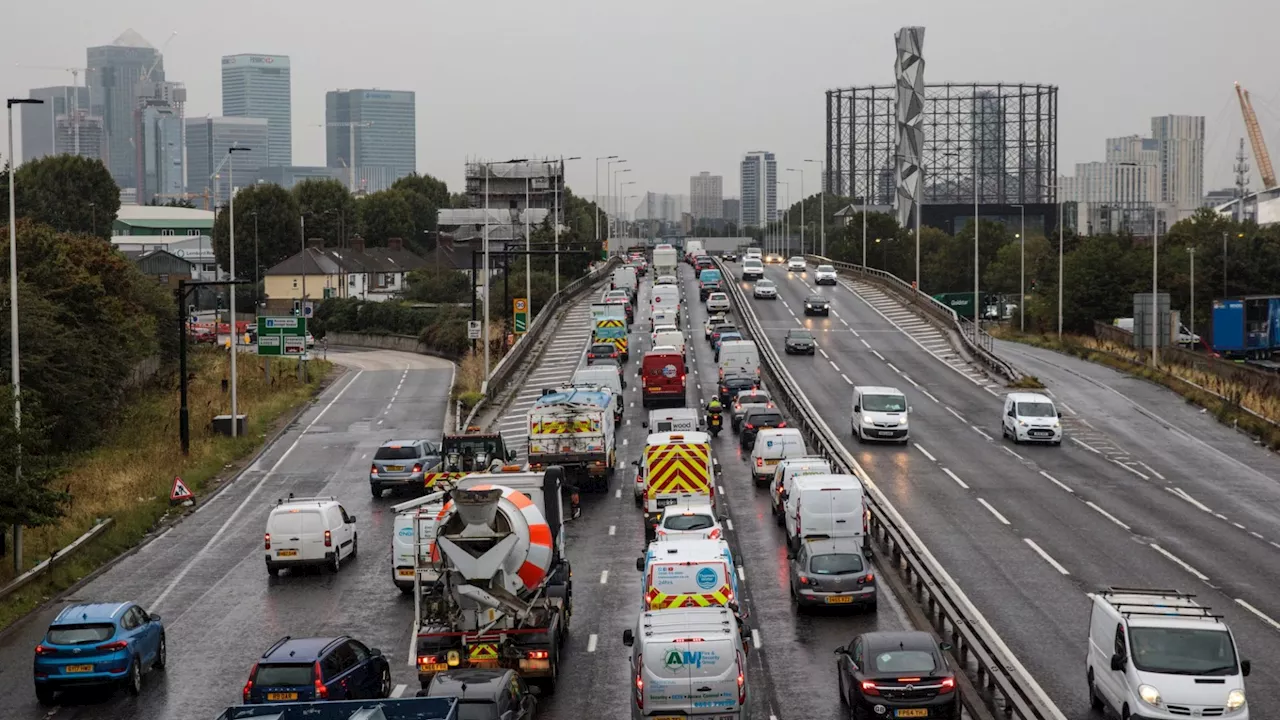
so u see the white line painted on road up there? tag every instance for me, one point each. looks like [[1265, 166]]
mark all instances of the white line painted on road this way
[[755, 640], [927, 454], [617, 493], [824, 353], [399, 690], [742, 574], [980, 431], [930, 396], [895, 369], [1086, 446], [1107, 515], [1067, 408], [720, 489], [604, 577], [1179, 492], [624, 442], [877, 354], [955, 477], [1047, 558], [864, 342], [1256, 534], [1151, 470], [1055, 481], [1004, 520], [846, 378], [1179, 561], [613, 529], [1238, 525], [958, 415], [834, 366], [1259, 613], [592, 639], [261, 481], [1013, 452], [1130, 469], [908, 379], [729, 524]]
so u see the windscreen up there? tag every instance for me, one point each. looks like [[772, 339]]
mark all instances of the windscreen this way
[[709, 276], [826, 268], [688, 522], [835, 564], [801, 335], [1036, 410], [764, 419], [1182, 651], [884, 403], [603, 349], [764, 283], [404, 452], [907, 662], [284, 674], [80, 634]]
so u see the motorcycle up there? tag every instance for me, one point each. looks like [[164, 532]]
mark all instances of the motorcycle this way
[[714, 421]]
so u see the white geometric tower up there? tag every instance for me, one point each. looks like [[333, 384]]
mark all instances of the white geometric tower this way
[[908, 71]]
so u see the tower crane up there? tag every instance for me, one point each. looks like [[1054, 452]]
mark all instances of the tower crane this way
[[351, 165], [75, 100], [146, 77], [1259, 144]]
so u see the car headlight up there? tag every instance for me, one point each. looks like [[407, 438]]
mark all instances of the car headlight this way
[[1235, 699], [1149, 695], [867, 421]]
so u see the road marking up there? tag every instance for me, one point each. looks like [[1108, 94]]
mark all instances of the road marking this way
[[628, 421], [617, 493], [1258, 612], [864, 342], [729, 524], [1180, 493], [1130, 469], [846, 378], [1151, 470], [824, 353], [1067, 408], [413, 645], [877, 354], [720, 489], [592, 639], [613, 529], [742, 574], [1046, 556], [1004, 520], [624, 442], [891, 367], [1238, 525], [604, 577], [399, 690], [755, 640], [1107, 515], [930, 396], [1256, 534], [927, 454], [261, 481], [953, 412], [908, 379], [1086, 446], [955, 477], [1179, 561], [1013, 452], [977, 430], [1055, 481], [834, 366]]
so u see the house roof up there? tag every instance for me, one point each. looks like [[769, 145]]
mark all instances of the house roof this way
[[337, 261]]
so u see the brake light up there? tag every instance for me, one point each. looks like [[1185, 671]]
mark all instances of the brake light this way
[[266, 541], [639, 690], [869, 688], [417, 467], [908, 680], [759, 461], [742, 683], [373, 470], [538, 654], [42, 650], [714, 534], [869, 578], [248, 685], [750, 426], [428, 659], [322, 692], [782, 424], [117, 645], [948, 685], [804, 580], [328, 539]]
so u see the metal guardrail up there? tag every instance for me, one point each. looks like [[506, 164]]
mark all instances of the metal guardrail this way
[[1005, 685], [511, 361], [982, 348]]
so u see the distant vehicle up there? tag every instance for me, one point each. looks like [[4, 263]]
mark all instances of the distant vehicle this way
[[898, 671], [673, 338], [754, 421], [879, 413], [754, 252], [309, 531], [718, 302], [752, 268], [401, 464], [714, 676], [785, 472], [311, 340], [729, 257], [724, 337], [1031, 417], [796, 264], [825, 275], [603, 350], [719, 330], [832, 571], [665, 261], [709, 281], [733, 383], [663, 377], [817, 305], [666, 280], [657, 329], [765, 289], [485, 694], [1247, 327], [745, 399], [799, 342], [307, 669], [96, 645], [713, 322], [772, 443], [694, 520]]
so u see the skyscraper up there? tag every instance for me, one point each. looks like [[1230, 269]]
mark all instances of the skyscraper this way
[[258, 86], [759, 175], [114, 72], [732, 209], [64, 105], [706, 196], [390, 141], [208, 142], [1181, 145]]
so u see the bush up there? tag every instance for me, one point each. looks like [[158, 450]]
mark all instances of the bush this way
[[442, 329]]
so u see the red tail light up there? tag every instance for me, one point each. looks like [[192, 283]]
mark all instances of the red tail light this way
[[322, 692], [869, 578], [538, 654], [759, 461], [782, 424], [869, 688], [750, 426], [42, 650], [248, 685], [112, 646], [428, 659], [373, 470], [804, 580], [714, 534], [948, 685], [417, 467], [742, 683], [266, 541], [328, 539], [639, 690]]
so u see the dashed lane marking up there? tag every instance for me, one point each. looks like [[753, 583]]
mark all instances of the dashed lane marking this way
[[1003, 520], [592, 639], [1261, 615], [1055, 481], [955, 477], [1179, 561], [604, 577], [1045, 556], [1107, 515], [926, 453]]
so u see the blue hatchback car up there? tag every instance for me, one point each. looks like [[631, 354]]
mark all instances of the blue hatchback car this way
[[98, 644], [308, 669]]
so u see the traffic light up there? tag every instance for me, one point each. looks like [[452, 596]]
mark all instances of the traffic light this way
[[219, 303], [191, 309], [297, 308]]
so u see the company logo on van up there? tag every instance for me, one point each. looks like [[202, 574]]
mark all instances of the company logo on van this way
[[676, 660], [669, 371], [707, 578], [406, 531]]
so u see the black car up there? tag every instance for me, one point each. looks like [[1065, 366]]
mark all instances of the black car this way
[[899, 672], [717, 332], [741, 402], [817, 305], [755, 420], [485, 694], [800, 342], [311, 669], [731, 385], [601, 351]]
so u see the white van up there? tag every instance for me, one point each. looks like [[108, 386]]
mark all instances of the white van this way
[[602, 375], [426, 510], [625, 278], [684, 573], [674, 338], [879, 413], [666, 298], [752, 268], [739, 356], [790, 468], [675, 420], [664, 316], [1157, 654], [831, 506], [309, 531], [773, 445], [1031, 417], [689, 663]]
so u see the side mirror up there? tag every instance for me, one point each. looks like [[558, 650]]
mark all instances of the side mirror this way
[[1246, 667], [857, 408], [946, 647], [534, 690], [644, 424], [640, 564], [1117, 662], [375, 651], [628, 637], [152, 617], [511, 455], [841, 651], [734, 607], [636, 463], [791, 555], [351, 519]]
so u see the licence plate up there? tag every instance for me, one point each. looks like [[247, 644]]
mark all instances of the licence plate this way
[[395, 468], [911, 712], [433, 667], [839, 599], [405, 572], [79, 668], [655, 389], [286, 553], [663, 502], [886, 433], [276, 697], [534, 665]]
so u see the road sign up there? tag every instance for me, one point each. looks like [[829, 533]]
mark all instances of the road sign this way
[[473, 329], [195, 319], [282, 335], [520, 311], [179, 493]]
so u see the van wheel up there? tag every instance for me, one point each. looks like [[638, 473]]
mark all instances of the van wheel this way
[[355, 544], [857, 433], [335, 563], [1095, 702], [1124, 714], [273, 570]]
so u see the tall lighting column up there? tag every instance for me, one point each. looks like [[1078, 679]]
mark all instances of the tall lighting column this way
[[235, 337]]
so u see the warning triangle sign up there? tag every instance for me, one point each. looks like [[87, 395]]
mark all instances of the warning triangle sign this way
[[180, 492]]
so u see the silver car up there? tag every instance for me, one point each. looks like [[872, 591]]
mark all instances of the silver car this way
[[401, 464], [832, 571], [765, 289]]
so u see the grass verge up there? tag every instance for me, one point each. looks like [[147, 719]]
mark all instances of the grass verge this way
[[129, 476]]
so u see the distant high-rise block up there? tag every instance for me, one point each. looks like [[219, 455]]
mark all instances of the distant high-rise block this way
[[208, 143], [1181, 147], [706, 196], [114, 74], [759, 175], [259, 86], [389, 141], [54, 127], [731, 208]]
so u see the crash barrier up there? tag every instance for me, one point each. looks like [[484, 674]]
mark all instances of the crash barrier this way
[[388, 341], [45, 566], [1004, 684], [510, 362], [981, 347]]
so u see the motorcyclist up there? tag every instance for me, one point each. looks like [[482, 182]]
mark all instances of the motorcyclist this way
[[714, 409]]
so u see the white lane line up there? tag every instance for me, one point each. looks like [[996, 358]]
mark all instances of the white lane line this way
[[1067, 408], [1151, 470], [908, 379], [930, 396], [846, 378], [755, 639], [1086, 446], [1180, 493], [592, 639], [261, 481], [1047, 558], [1179, 561], [720, 489], [1238, 525], [891, 367], [955, 477], [617, 493], [613, 529], [1220, 516], [1012, 452], [604, 577], [399, 690], [824, 353], [624, 442], [729, 524], [953, 412], [1055, 481], [877, 354], [977, 430], [864, 342], [742, 574], [1107, 515], [1004, 520], [1259, 613], [834, 366], [926, 452], [1256, 534], [1135, 472]]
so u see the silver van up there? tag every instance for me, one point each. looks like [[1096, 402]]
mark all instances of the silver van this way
[[689, 663]]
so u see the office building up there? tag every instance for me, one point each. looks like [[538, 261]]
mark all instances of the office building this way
[[730, 209], [759, 175], [158, 144], [1181, 146], [706, 196], [42, 124], [208, 142], [259, 86], [114, 73], [390, 138]]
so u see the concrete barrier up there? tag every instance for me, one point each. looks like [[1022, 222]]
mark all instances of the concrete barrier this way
[[385, 341]]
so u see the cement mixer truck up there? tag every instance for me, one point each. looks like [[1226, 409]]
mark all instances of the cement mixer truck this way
[[504, 596]]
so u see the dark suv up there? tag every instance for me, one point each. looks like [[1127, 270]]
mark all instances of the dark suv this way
[[400, 464], [755, 420], [309, 669]]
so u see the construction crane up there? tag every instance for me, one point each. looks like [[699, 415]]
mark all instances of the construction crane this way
[[146, 77], [351, 166], [75, 100], [1260, 153]]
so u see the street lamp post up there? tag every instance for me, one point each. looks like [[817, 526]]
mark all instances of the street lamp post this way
[[1058, 192], [608, 193], [977, 304], [1191, 320], [596, 198], [615, 190], [864, 229], [1022, 273], [235, 337], [257, 300], [622, 205], [784, 237], [528, 256], [488, 169], [1155, 307], [801, 207], [822, 203], [556, 220]]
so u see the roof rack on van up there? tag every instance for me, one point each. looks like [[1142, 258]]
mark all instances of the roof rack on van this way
[[318, 498], [1118, 590]]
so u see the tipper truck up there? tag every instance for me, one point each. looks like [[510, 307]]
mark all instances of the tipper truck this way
[[574, 428]]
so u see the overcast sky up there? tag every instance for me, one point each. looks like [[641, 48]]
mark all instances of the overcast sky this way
[[680, 86]]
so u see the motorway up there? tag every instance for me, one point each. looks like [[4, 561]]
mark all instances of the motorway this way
[[1144, 492]]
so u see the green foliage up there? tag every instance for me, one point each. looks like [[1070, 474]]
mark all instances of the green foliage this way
[[543, 286], [69, 193], [384, 215], [459, 201], [28, 464], [438, 285], [279, 229], [172, 202], [443, 329], [436, 191], [329, 209]]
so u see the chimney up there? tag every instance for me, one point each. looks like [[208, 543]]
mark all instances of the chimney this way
[[317, 243], [357, 244], [395, 244]]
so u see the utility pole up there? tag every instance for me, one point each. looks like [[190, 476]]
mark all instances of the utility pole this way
[[234, 336], [1191, 320], [1155, 306], [1022, 273]]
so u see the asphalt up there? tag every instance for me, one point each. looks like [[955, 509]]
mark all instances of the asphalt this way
[[1027, 531]]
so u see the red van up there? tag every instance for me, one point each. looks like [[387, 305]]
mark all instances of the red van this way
[[662, 377]]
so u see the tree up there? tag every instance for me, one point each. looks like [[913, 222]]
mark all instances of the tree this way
[[438, 285], [25, 497], [1099, 279], [328, 207], [279, 230], [1003, 275], [171, 202], [459, 201], [69, 193], [425, 185], [385, 214]]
